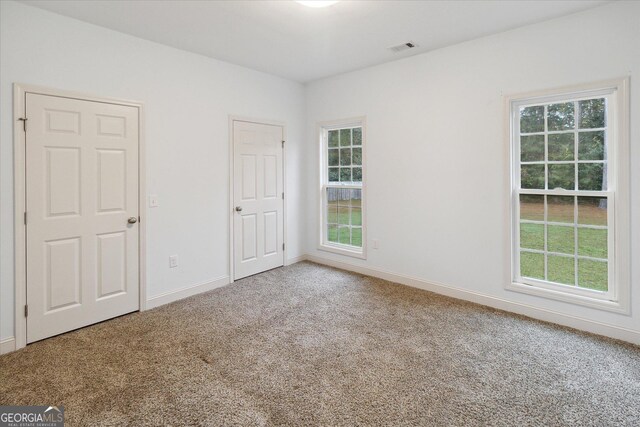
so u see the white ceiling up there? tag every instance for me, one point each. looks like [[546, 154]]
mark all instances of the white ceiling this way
[[301, 43]]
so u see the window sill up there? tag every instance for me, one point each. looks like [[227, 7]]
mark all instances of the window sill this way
[[343, 250], [613, 306]]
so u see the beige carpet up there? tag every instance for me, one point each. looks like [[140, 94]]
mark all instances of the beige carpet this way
[[311, 345]]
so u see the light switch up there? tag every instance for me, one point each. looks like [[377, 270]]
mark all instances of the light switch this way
[[153, 201], [173, 261]]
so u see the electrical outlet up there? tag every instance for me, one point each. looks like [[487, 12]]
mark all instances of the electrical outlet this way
[[173, 261], [376, 243], [153, 201]]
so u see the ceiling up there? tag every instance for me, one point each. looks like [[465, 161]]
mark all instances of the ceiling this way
[[300, 43]]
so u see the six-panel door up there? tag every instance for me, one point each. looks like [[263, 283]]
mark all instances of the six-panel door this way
[[258, 208], [82, 189]]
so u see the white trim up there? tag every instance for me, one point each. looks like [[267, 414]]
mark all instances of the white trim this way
[[321, 129], [7, 345], [230, 210], [560, 295], [343, 249], [622, 197], [178, 294], [560, 93], [230, 200], [19, 229], [143, 208], [617, 299], [20, 284]]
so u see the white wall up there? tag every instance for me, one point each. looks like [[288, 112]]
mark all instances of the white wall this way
[[437, 157], [188, 100]]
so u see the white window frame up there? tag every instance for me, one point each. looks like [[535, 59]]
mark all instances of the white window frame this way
[[323, 132], [617, 298]]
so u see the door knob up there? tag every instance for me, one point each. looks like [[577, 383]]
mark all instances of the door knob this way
[[238, 208], [132, 220]]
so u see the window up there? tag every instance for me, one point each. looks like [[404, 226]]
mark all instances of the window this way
[[568, 190], [342, 215]]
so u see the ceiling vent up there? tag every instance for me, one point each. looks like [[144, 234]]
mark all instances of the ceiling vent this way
[[402, 47]]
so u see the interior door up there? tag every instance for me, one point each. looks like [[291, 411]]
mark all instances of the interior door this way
[[82, 213], [258, 205]]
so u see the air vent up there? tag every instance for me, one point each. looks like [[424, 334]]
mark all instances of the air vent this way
[[402, 47]]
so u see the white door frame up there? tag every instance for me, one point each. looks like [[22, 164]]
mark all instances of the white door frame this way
[[233, 118], [19, 175]]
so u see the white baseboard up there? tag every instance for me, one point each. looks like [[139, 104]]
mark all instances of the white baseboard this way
[[295, 260], [499, 303], [7, 345], [171, 296]]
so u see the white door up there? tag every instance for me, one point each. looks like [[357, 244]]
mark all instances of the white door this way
[[82, 212], [258, 205]]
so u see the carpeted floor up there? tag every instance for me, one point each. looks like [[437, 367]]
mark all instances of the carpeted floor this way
[[311, 345]]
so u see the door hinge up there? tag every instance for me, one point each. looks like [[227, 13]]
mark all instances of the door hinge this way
[[26, 310], [25, 218], [282, 196], [24, 123], [283, 246], [282, 143]]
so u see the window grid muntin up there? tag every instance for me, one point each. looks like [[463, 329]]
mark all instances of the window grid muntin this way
[[604, 194], [576, 131], [349, 205], [575, 226], [351, 146], [327, 184]]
